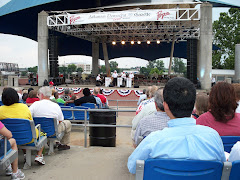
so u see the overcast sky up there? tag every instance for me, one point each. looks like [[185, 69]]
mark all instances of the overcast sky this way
[[15, 49]]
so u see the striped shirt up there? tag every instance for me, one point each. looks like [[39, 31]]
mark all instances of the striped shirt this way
[[154, 122]]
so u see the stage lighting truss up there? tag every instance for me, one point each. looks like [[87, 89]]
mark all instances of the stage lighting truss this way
[[185, 26]]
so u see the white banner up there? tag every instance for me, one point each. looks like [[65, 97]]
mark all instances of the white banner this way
[[122, 16]]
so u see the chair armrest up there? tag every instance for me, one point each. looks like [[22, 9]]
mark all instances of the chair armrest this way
[[5, 146], [139, 170], [139, 139], [227, 166], [39, 130]]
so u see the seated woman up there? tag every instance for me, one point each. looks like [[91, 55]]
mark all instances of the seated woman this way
[[221, 115], [32, 97], [11, 143], [201, 105], [13, 109]]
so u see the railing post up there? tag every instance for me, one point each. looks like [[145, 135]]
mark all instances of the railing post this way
[[85, 128], [117, 107]]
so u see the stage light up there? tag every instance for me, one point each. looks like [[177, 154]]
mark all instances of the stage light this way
[[132, 42], [148, 42], [114, 43], [158, 41], [123, 42], [139, 42]]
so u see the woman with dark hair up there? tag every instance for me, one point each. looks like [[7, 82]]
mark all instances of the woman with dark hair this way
[[221, 115], [13, 109]]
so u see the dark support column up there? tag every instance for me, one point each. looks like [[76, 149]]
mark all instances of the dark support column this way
[[192, 47], [53, 56]]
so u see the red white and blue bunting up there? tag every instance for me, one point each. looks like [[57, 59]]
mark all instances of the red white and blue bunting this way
[[107, 92], [138, 93], [124, 92]]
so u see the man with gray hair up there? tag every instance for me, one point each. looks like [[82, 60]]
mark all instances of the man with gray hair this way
[[155, 121], [49, 109], [66, 96]]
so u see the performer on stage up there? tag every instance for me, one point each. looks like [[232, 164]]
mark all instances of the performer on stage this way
[[114, 76], [131, 75], [99, 79], [124, 78]]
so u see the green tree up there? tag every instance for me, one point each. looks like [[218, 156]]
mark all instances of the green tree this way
[[155, 71], [145, 71], [178, 65], [226, 34], [159, 64], [114, 66], [33, 69], [71, 68], [103, 69], [24, 73], [79, 69]]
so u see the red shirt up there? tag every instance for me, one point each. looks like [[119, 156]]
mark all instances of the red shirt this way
[[231, 128], [102, 97], [32, 100]]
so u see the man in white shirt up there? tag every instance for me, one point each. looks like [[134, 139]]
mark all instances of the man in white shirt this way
[[115, 75], [99, 80], [124, 78], [49, 109]]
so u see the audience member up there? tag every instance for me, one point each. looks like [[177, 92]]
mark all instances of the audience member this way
[[201, 105], [142, 97], [58, 100], [98, 100], [32, 97], [24, 98], [19, 91], [183, 139], [150, 94], [11, 143], [102, 97], [147, 110], [72, 99], [66, 95], [154, 122], [49, 109], [52, 96], [14, 109], [237, 92], [221, 115], [30, 89], [87, 98]]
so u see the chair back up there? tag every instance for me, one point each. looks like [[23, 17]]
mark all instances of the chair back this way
[[229, 141], [235, 175], [182, 169], [90, 105], [1, 103], [79, 115], [68, 115], [23, 130], [60, 104], [47, 125], [71, 104]]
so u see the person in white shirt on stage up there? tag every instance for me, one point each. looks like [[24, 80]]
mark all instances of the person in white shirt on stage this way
[[114, 76], [124, 78], [131, 75], [99, 79]]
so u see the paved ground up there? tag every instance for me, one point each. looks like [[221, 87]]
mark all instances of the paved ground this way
[[100, 163]]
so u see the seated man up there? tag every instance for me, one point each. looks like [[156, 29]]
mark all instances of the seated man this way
[[98, 100], [67, 95], [87, 98], [49, 109], [183, 139], [153, 122]]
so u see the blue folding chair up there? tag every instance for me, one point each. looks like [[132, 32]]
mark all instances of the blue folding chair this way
[[8, 157], [49, 126], [173, 169], [90, 105], [229, 141], [23, 131], [1, 103], [235, 175], [80, 115], [68, 115], [71, 104]]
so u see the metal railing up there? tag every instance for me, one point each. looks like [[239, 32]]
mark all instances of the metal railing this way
[[124, 101], [86, 124]]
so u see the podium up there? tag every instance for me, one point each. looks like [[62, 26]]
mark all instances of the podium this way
[[119, 82], [129, 82], [107, 81]]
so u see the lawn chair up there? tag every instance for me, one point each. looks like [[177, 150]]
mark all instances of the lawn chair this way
[[49, 126], [173, 169], [80, 115], [68, 115], [23, 131], [229, 141]]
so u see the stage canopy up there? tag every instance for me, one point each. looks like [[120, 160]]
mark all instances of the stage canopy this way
[[20, 17]]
